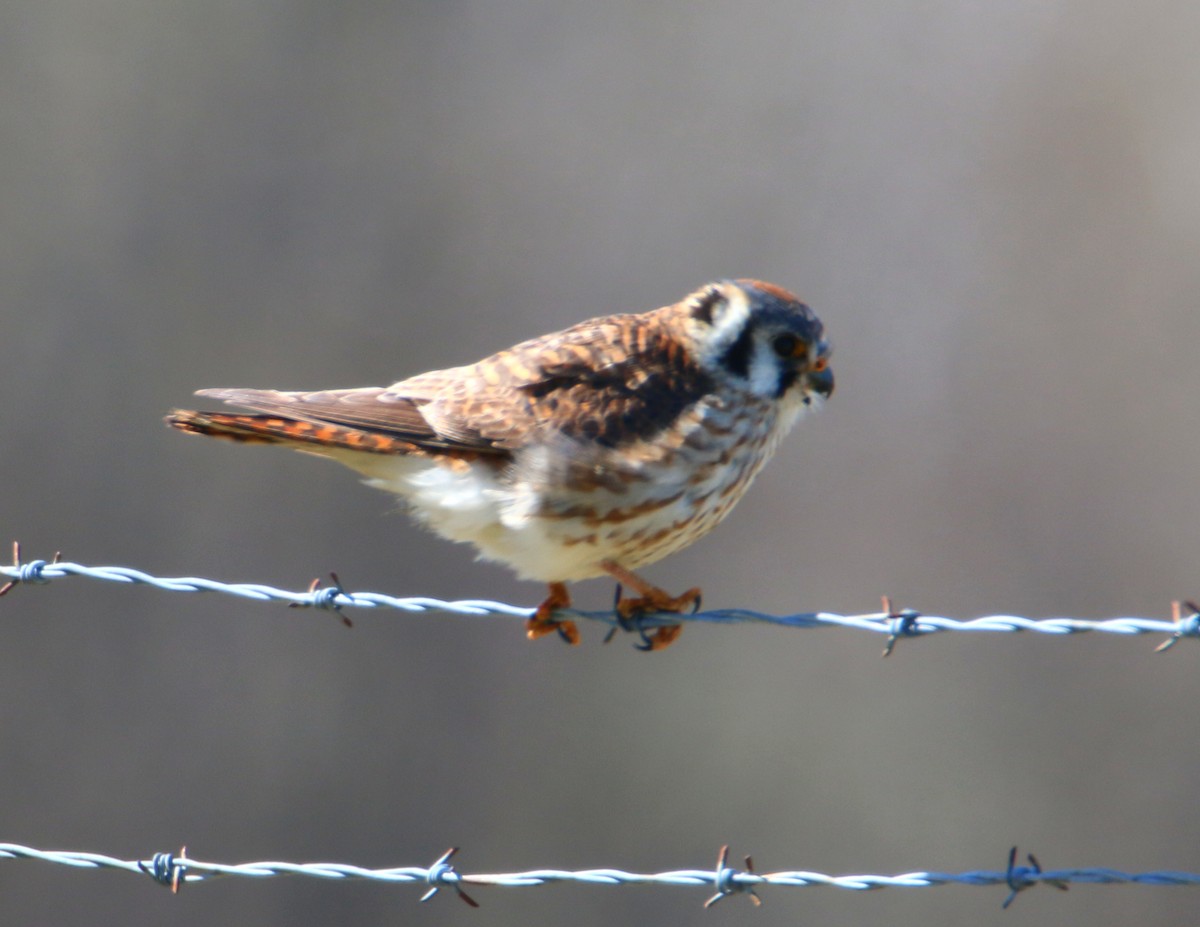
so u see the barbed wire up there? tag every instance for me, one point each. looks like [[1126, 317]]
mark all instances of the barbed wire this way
[[895, 623], [175, 870]]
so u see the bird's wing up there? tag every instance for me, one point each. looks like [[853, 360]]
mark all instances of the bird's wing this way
[[602, 383]]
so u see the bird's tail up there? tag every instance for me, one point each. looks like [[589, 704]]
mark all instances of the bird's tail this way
[[276, 429]]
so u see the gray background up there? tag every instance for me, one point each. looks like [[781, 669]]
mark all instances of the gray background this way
[[995, 208]]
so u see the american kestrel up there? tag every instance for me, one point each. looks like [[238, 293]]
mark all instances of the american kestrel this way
[[591, 451]]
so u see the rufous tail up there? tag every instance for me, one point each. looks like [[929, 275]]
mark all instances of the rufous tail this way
[[275, 429]]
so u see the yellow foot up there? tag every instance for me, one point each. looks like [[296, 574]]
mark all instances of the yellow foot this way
[[543, 621], [652, 599]]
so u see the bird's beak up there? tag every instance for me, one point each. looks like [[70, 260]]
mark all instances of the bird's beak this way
[[820, 381]]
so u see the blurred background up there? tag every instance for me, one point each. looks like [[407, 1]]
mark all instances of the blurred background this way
[[994, 207]]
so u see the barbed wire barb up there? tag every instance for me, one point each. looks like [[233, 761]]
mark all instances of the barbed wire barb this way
[[1020, 878], [1186, 626], [25, 572], [905, 623], [729, 881], [167, 869], [326, 598]]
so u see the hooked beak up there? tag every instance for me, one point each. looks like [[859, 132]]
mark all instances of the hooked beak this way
[[820, 381]]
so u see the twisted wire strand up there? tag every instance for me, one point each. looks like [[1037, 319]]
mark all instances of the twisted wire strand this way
[[175, 870], [896, 624]]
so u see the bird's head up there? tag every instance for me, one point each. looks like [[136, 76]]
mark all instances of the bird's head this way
[[761, 338]]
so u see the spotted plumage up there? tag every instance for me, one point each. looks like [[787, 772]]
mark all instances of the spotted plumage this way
[[591, 451]]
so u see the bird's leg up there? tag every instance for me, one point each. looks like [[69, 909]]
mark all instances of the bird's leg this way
[[652, 599], [543, 621]]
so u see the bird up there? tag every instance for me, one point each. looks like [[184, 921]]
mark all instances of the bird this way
[[591, 451]]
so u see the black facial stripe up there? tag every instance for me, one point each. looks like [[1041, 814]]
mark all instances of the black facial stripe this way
[[736, 358], [703, 309], [787, 379]]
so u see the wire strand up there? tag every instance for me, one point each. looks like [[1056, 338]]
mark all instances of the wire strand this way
[[896, 624], [176, 870]]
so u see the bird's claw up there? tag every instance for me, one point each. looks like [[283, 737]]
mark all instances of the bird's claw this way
[[631, 611], [543, 622]]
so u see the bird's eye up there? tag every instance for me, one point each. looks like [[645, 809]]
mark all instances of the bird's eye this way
[[786, 345]]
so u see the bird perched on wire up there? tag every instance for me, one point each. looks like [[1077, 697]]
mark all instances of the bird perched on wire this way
[[590, 451]]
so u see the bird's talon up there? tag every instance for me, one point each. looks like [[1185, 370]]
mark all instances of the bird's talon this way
[[537, 626], [543, 622], [665, 636], [634, 622], [630, 613]]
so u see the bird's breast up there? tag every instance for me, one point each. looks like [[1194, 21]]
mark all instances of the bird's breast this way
[[561, 508]]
